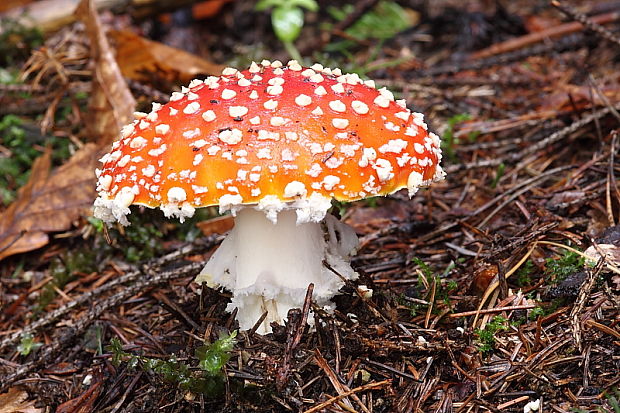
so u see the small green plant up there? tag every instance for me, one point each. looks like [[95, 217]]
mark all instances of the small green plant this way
[[24, 147], [27, 344], [213, 357], [498, 174], [140, 240], [486, 336], [383, 22], [424, 268], [62, 270], [414, 308], [211, 360], [569, 263], [613, 398], [96, 223], [535, 313], [452, 285], [9, 76], [372, 202], [143, 238], [449, 141], [144, 241], [524, 273], [442, 287], [287, 19], [16, 41]]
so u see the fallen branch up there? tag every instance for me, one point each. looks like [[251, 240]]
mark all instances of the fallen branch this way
[[82, 324], [91, 295]]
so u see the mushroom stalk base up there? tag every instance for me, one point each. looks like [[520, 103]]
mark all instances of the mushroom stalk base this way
[[268, 266]]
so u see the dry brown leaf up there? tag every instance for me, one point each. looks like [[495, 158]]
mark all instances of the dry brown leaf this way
[[111, 104], [15, 401], [219, 225], [49, 202], [136, 54]]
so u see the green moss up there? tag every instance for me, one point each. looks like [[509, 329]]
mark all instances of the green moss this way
[[557, 269], [486, 336], [140, 240], [524, 273], [498, 174], [17, 41], [443, 288], [25, 145], [535, 313], [449, 141], [212, 358]]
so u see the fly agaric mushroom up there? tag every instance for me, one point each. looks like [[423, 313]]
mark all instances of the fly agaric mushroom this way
[[273, 145]]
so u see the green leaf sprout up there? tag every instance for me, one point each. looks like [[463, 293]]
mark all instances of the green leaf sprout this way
[[287, 20]]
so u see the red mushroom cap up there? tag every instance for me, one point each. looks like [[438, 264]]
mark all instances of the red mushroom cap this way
[[268, 134]]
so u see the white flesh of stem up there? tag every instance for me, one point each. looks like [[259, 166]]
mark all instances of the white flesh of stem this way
[[268, 266]]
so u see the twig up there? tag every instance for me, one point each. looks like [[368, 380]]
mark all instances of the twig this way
[[562, 133], [603, 328], [391, 369], [531, 183], [582, 298], [334, 399], [493, 310], [531, 234], [493, 286], [149, 91], [555, 31], [538, 146], [567, 43], [487, 405], [586, 21], [611, 179], [371, 305], [176, 310], [335, 381], [295, 331]]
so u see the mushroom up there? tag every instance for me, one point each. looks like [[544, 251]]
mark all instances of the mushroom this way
[[274, 145]]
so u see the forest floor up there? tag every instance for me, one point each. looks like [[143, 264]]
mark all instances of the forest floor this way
[[489, 293]]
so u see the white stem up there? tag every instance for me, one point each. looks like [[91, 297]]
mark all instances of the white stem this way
[[268, 266]]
